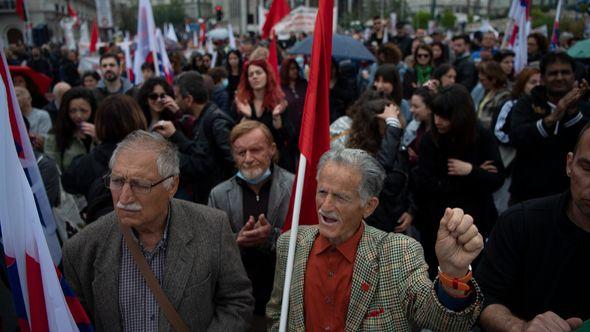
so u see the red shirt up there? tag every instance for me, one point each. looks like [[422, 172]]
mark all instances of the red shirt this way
[[328, 280]]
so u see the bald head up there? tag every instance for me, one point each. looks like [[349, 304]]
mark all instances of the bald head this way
[[58, 91]]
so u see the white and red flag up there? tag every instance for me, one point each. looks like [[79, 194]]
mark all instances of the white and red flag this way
[[42, 298]]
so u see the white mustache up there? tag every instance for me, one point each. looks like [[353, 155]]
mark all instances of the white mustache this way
[[129, 207], [329, 215]]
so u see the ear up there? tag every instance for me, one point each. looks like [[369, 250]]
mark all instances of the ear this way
[[370, 207], [188, 99], [569, 164], [174, 187], [273, 150]]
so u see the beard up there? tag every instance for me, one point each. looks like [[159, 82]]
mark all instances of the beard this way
[[252, 173], [111, 76]]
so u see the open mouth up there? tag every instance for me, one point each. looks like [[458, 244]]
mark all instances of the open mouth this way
[[328, 220]]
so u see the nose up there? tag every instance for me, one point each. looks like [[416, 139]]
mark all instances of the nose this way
[[249, 156], [126, 195]]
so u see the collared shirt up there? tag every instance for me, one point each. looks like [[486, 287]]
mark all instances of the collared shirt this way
[[139, 307], [328, 281]]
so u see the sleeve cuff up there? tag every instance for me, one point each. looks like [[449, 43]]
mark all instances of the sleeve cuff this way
[[455, 304], [577, 118], [541, 128], [394, 122]]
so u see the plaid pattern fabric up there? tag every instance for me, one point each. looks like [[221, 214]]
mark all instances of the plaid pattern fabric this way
[[390, 289], [139, 307]]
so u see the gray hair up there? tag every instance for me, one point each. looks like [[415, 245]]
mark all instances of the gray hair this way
[[167, 160], [372, 173]]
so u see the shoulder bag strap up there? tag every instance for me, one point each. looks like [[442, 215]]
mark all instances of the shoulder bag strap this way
[[169, 312]]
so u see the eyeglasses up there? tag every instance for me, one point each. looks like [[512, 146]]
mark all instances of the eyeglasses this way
[[137, 186], [423, 55], [155, 96]]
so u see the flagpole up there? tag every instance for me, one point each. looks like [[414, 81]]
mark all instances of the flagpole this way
[[292, 242]]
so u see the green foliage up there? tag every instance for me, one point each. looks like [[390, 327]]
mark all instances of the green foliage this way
[[421, 19], [448, 19], [173, 13], [540, 17]]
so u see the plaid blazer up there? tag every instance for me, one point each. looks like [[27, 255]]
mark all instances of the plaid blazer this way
[[390, 291]]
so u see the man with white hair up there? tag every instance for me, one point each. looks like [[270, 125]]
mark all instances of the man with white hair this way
[[350, 276], [39, 120], [188, 248]]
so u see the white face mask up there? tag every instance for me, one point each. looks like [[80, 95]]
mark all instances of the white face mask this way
[[224, 82], [300, 61]]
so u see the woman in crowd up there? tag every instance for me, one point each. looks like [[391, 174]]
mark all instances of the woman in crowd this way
[[340, 129], [423, 64], [90, 79], [537, 47], [73, 133], [494, 81], [259, 97], [444, 75], [376, 128], [421, 108], [233, 64], [506, 60], [294, 87], [527, 79], [156, 99], [438, 54], [387, 81], [116, 117], [459, 166]]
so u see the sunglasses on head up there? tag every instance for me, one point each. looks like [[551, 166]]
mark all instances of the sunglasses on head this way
[[155, 96]]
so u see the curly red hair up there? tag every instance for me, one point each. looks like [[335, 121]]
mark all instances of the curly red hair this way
[[273, 93]]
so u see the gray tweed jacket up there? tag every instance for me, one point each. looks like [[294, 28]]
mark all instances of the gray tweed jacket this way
[[227, 196], [204, 277]]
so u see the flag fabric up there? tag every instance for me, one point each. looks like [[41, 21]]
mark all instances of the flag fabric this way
[[164, 61], [71, 12], [517, 40], [93, 37], [37, 287], [314, 138], [555, 32], [278, 9], [273, 58], [128, 63], [232, 38], [146, 40], [20, 9], [170, 33], [202, 35]]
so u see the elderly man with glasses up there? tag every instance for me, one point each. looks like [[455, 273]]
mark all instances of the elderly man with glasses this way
[[188, 248]]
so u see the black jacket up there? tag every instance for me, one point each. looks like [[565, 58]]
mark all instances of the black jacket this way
[[436, 190], [395, 197], [466, 72], [539, 166], [206, 160], [85, 177]]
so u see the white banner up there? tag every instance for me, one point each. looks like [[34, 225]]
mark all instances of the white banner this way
[[104, 14]]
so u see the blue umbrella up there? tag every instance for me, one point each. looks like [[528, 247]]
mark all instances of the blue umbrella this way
[[343, 47]]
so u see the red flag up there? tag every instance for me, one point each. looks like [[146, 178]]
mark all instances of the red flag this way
[[20, 9], [71, 11], [273, 58], [278, 9], [314, 138], [93, 37]]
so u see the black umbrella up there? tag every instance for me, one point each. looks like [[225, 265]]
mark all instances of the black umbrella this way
[[343, 47]]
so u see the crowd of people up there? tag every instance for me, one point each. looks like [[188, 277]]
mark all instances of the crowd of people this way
[[456, 191]]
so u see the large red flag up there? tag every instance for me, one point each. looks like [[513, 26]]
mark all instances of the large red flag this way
[[314, 138], [93, 37], [278, 9], [20, 9]]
